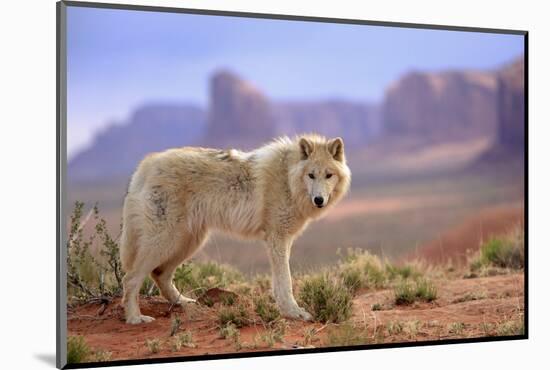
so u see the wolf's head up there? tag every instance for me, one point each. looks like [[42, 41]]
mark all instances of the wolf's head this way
[[322, 171]]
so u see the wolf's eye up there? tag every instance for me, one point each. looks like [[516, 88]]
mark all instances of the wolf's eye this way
[[311, 176], [329, 175]]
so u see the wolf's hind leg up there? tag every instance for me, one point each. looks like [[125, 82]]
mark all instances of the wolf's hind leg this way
[[130, 300], [163, 275]]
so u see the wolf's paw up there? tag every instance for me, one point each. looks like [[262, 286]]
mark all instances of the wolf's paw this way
[[298, 313], [181, 300], [139, 319]]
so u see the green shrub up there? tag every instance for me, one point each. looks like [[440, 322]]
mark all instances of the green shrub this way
[[236, 315], [265, 307], [91, 276], [407, 292], [327, 299], [195, 278], [77, 350], [503, 252]]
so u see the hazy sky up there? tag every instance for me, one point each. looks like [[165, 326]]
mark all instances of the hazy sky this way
[[118, 59]]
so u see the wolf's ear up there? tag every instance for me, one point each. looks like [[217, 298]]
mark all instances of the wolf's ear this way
[[306, 148], [336, 148]]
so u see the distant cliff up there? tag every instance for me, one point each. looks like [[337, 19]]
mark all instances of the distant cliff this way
[[511, 106], [239, 114], [441, 106], [117, 150]]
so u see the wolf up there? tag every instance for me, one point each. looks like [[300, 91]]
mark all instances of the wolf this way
[[176, 197]]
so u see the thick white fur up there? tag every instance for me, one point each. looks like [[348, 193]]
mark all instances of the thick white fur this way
[[177, 196]]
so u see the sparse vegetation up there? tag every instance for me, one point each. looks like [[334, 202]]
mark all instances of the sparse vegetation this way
[[231, 332], [347, 334], [153, 345], [505, 252], [184, 339], [456, 328], [412, 328], [237, 315], [195, 278], [266, 308], [175, 325], [470, 296], [326, 298], [274, 333], [394, 327], [407, 292], [77, 350], [511, 327], [92, 276]]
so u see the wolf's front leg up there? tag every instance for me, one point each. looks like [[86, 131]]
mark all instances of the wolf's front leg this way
[[279, 255]]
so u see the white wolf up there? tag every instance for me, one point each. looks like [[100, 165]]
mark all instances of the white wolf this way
[[269, 194]]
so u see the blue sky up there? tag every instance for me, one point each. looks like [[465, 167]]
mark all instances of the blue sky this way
[[119, 59]]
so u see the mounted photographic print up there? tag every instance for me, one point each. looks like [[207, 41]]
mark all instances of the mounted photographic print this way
[[238, 185]]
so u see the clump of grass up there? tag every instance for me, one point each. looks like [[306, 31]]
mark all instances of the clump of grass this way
[[470, 296], [195, 278], [275, 333], [102, 356], [504, 252], [153, 345], [184, 339], [236, 315], [487, 328], [512, 327], [404, 272], [394, 327], [328, 300], [231, 332], [456, 328], [360, 269], [309, 336], [407, 292], [412, 328], [77, 350], [352, 278], [175, 325], [376, 307], [265, 307], [347, 334]]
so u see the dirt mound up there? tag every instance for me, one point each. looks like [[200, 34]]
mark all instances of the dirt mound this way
[[464, 308], [459, 242]]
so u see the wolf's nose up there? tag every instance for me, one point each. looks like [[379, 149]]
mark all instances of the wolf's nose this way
[[318, 201]]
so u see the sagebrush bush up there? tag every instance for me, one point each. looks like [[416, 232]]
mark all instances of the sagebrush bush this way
[[195, 278], [237, 315], [77, 350], [503, 252], [327, 299], [407, 292], [360, 269], [92, 276], [266, 308]]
